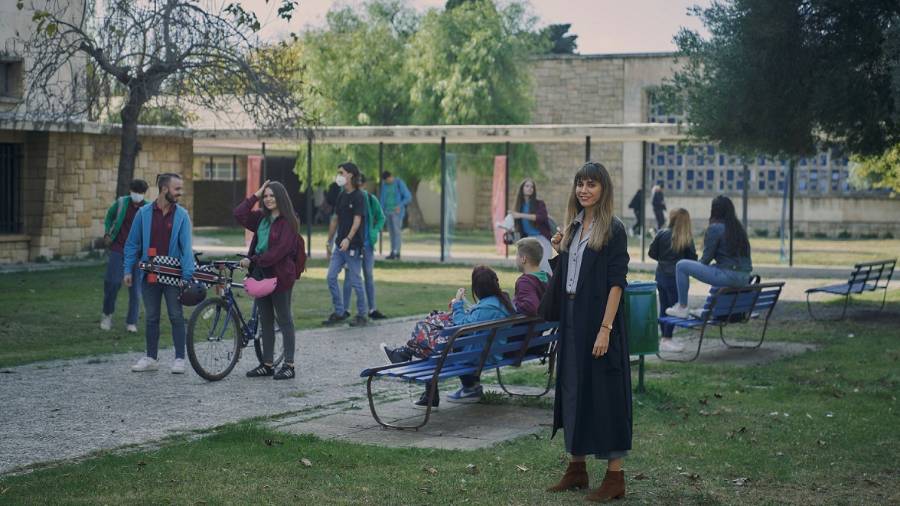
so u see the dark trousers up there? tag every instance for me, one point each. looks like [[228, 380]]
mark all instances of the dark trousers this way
[[660, 218], [153, 295], [112, 281], [668, 297], [636, 228], [276, 306]]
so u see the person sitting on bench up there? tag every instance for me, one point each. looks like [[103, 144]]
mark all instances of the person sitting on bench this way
[[725, 242], [493, 304], [532, 284]]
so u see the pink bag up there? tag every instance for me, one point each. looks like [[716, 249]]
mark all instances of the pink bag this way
[[257, 288]]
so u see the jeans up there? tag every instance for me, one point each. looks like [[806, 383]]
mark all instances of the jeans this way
[[153, 295], [368, 266], [709, 274], [351, 259], [668, 296], [277, 305], [112, 281], [395, 224]]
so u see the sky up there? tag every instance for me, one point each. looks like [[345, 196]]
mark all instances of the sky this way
[[602, 26]]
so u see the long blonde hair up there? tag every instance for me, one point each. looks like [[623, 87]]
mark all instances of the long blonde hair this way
[[680, 225], [602, 212]]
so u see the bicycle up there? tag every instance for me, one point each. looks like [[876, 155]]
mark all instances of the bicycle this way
[[217, 332]]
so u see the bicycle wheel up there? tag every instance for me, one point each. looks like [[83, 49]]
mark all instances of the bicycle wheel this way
[[279, 345], [213, 339]]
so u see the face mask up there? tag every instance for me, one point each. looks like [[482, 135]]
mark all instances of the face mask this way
[[137, 198], [340, 180]]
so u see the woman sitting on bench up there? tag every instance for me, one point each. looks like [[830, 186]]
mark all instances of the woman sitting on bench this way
[[493, 304], [725, 242]]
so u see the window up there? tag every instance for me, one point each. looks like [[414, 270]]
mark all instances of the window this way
[[10, 189], [217, 171], [10, 78]]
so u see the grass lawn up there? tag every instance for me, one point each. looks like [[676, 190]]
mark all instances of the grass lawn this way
[[766, 250], [818, 428], [56, 314]]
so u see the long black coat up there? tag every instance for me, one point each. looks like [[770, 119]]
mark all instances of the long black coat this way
[[603, 405]]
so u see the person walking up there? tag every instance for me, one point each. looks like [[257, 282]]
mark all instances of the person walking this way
[[119, 218], [373, 224], [165, 228], [345, 245], [727, 244], [395, 196], [593, 383], [273, 250], [532, 220], [671, 245], [658, 202], [637, 205]]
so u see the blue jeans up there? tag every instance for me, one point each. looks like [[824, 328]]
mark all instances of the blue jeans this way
[[395, 224], [368, 266], [709, 274], [112, 281], [153, 295], [352, 261], [668, 296]]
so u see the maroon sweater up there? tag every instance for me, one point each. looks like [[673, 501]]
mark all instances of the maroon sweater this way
[[279, 258], [529, 291]]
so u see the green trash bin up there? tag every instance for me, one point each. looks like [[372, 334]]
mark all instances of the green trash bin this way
[[641, 324]]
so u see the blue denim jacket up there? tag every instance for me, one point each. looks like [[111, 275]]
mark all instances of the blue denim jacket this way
[[487, 309], [714, 248]]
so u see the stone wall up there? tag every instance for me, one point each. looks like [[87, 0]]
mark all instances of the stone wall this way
[[70, 181]]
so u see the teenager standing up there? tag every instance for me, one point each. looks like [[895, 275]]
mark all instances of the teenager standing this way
[[593, 383], [532, 219], [345, 245], [273, 250]]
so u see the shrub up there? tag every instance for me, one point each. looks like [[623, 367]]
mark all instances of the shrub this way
[[820, 235], [843, 234], [799, 234], [869, 236], [761, 232], [887, 235]]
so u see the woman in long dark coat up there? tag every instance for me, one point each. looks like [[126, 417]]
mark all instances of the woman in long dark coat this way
[[593, 384]]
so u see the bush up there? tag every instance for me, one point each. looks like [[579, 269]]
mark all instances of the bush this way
[[887, 235], [761, 232], [868, 236], [41, 259], [820, 235], [799, 234], [843, 234]]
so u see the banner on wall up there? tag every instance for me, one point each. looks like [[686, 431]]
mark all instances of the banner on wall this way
[[254, 173], [498, 201]]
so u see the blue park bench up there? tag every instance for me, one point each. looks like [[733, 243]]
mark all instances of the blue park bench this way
[[469, 349], [866, 277], [726, 306]]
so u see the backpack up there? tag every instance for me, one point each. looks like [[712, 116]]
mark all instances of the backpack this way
[[300, 259], [425, 337]]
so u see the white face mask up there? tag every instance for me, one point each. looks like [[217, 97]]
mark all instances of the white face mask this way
[[340, 180], [137, 198]]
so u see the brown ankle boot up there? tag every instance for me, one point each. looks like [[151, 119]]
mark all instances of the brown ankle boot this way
[[575, 478], [613, 487]]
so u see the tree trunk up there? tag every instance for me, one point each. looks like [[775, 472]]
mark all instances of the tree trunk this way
[[414, 218], [129, 142]]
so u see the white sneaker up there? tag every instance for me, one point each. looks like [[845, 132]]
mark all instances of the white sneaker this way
[[131, 328], [178, 366], [669, 344], [145, 364], [678, 311], [696, 313], [106, 322]]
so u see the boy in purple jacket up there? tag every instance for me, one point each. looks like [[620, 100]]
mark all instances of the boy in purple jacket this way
[[532, 284]]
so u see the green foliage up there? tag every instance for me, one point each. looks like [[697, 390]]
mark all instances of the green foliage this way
[[557, 40], [776, 77], [386, 65], [158, 115], [878, 171]]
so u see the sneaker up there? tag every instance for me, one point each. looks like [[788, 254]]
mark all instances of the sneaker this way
[[390, 257], [260, 371], [145, 364], [286, 372], [106, 322], [334, 319], [131, 328], [396, 355], [467, 395], [178, 366], [696, 313], [423, 401], [669, 344], [359, 321], [376, 315], [678, 311]]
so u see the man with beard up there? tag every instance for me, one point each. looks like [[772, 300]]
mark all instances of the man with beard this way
[[163, 228]]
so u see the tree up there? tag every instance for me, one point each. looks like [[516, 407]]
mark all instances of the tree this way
[[784, 77], [878, 171], [144, 49], [556, 39]]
